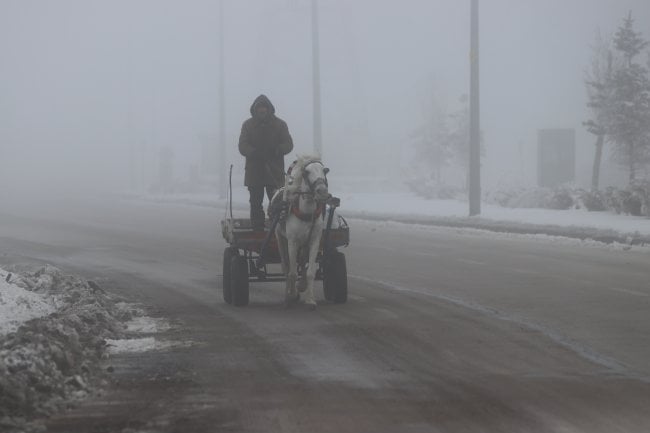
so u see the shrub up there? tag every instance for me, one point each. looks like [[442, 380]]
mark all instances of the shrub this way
[[593, 201], [560, 199]]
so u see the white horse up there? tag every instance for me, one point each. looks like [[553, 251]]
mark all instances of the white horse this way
[[299, 235]]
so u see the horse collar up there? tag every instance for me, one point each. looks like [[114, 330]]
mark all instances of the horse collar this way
[[307, 217]]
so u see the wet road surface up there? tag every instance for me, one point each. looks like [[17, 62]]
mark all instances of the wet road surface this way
[[444, 330]]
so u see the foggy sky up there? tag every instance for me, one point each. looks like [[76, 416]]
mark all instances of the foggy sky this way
[[84, 81]]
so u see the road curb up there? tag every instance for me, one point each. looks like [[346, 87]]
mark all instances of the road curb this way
[[477, 223]]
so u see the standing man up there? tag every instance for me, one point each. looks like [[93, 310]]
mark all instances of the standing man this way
[[264, 141]]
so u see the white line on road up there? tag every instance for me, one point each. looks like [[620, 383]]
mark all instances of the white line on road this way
[[629, 292]]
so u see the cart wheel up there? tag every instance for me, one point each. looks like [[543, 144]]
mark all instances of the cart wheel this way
[[228, 254], [239, 281], [335, 278]]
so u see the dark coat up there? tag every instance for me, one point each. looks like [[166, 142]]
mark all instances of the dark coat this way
[[264, 144]]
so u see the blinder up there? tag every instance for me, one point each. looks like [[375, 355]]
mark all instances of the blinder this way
[[319, 181]]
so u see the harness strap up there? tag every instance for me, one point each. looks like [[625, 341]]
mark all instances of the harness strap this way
[[310, 216]]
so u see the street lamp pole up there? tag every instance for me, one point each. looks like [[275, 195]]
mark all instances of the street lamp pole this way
[[318, 134], [475, 123], [222, 107]]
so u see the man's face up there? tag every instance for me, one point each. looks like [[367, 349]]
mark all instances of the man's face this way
[[262, 112]]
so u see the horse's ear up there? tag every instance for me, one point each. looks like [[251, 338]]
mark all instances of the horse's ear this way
[[326, 170]]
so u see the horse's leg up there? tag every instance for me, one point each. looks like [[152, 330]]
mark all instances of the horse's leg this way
[[301, 284], [292, 273], [314, 245]]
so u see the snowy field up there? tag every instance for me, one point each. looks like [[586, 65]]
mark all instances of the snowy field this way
[[407, 207]]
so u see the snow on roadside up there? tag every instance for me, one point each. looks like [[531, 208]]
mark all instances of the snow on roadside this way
[[147, 325], [18, 305], [137, 345], [131, 345], [410, 206], [54, 342], [141, 337], [56, 330], [134, 341], [473, 232], [406, 206]]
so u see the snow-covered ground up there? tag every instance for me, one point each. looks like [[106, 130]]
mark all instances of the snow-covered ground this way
[[405, 206], [408, 205], [55, 330]]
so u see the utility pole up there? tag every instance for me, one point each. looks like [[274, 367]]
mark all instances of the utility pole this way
[[222, 108], [318, 134], [475, 122]]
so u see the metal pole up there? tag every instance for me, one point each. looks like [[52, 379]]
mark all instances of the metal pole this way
[[475, 122], [318, 135], [222, 107]]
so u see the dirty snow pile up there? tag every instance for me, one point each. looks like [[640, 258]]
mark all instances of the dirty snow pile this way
[[53, 331], [18, 305]]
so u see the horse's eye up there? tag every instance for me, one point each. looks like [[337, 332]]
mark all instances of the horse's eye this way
[[326, 170]]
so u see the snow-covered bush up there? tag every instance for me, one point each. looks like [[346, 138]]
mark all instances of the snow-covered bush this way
[[561, 199], [502, 197], [593, 201], [632, 203], [531, 198], [640, 191], [633, 200]]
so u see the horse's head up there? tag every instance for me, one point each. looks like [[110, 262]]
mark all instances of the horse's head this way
[[315, 177], [309, 177]]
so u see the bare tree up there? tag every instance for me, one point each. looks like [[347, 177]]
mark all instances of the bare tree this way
[[431, 139]]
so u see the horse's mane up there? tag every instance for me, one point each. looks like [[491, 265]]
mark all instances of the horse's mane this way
[[297, 168], [305, 159]]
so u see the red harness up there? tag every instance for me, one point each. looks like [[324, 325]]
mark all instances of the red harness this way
[[295, 209]]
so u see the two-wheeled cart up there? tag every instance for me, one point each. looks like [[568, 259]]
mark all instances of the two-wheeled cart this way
[[250, 253]]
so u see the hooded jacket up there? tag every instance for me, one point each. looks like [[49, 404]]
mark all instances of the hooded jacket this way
[[264, 142]]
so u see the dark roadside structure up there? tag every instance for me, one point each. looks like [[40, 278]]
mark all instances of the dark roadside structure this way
[[264, 141]]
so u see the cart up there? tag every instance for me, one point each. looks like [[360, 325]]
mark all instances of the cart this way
[[250, 253]]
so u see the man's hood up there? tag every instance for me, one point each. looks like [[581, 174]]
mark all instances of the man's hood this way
[[262, 100]]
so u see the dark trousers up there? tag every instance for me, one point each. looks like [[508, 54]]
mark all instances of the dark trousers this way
[[256, 199]]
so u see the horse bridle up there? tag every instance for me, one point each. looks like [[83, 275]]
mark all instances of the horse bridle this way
[[313, 185]]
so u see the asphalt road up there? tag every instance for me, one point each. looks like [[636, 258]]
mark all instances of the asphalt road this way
[[444, 330]]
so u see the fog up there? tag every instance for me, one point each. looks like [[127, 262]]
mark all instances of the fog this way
[[92, 90]]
